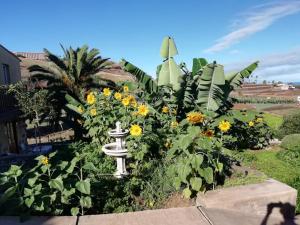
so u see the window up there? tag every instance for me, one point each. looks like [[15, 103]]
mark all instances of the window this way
[[6, 73]]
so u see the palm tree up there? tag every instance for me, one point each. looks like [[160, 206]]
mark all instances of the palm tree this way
[[73, 74]]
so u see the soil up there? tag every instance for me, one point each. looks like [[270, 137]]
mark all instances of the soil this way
[[177, 200]]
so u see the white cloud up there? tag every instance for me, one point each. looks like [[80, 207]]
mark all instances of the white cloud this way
[[255, 20], [284, 66]]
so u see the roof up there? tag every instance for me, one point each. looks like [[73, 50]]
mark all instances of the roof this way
[[32, 55], [9, 52]]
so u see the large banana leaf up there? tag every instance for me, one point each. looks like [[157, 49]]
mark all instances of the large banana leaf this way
[[170, 73], [144, 80], [210, 87], [198, 64], [235, 79]]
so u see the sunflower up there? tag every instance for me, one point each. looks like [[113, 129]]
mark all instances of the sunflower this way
[[91, 99], [165, 109], [106, 92], [45, 160], [251, 124], [143, 110], [118, 96], [174, 124], [135, 130], [125, 89], [224, 126], [125, 101], [195, 117], [208, 133], [93, 112]]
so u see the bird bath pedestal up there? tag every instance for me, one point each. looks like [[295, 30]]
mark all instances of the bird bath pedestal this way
[[117, 149]]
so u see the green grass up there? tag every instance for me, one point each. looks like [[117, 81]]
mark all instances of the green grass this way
[[241, 179], [267, 162]]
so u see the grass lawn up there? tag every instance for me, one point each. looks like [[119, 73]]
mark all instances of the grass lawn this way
[[267, 162]]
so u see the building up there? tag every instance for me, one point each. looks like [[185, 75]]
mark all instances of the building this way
[[12, 127]]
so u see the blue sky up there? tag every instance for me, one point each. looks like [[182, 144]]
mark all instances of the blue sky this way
[[233, 32]]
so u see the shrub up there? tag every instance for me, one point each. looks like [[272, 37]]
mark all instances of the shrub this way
[[296, 184], [291, 142], [290, 125], [290, 156]]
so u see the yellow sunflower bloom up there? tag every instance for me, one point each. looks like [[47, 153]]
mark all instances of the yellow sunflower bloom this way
[[224, 126], [251, 124], [135, 130], [118, 96], [106, 92], [126, 101], [125, 89], [143, 110], [93, 112], [45, 160], [174, 124], [165, 109], [91, 99], [195, 117]]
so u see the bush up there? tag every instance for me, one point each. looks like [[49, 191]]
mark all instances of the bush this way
[[296, 184], [290, 156], [291, 142], [290, 125]]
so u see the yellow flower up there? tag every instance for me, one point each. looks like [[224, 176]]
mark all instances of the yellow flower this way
[[135, 130], [195, 117], [168, 144], [208, 133], [106, 92], [259, 120], [118, 96], [126, 101], [93, 112], [165, 109], [80, 109], [174, 111], [143, 110], [251, 124], [45, 160], [91, 98], [125, 89], [174, 124], [134, 103], [224, 126]]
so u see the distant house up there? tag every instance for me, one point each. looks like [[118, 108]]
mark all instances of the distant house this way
[[285, 87], [12, 128]]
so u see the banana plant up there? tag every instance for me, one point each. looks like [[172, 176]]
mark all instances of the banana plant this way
[[169, 73]]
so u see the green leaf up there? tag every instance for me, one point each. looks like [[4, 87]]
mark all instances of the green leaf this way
[[196, 183], [89, 166], [86, 202], [177, 183], [74, 211], [29, 201], [208, 175], [27, 192], [187, 192], [84, 186], [57, 183], [184, 171], [219, 167], [8, 194], [31, 181], [196, 161]]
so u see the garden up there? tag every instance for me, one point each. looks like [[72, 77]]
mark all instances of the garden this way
[[183, 136]]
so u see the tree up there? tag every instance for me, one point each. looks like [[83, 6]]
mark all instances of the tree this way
[[35, 105], [73, 74]]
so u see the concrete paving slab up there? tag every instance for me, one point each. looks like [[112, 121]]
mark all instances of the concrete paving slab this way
[[173, 216], [39, 220], [254, 198]]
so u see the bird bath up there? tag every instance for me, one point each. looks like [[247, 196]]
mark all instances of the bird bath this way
[[118, 149]]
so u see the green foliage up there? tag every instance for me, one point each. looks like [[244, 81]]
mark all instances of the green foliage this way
[[290, 125], [291, 142], [292, 156], [169, 72]]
